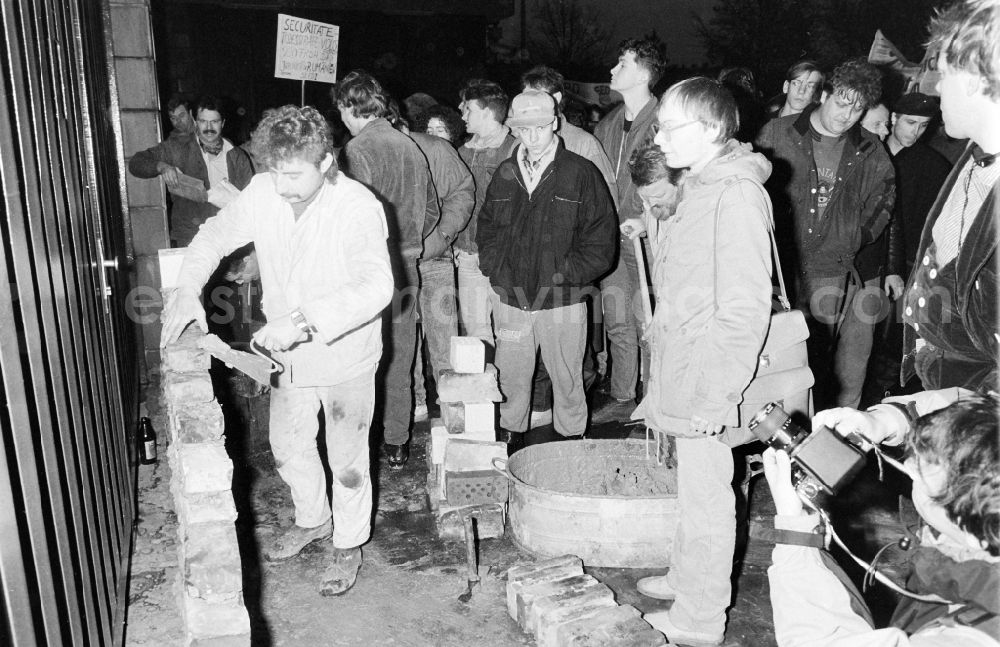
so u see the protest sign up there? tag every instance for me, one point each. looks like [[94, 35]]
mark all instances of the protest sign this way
[[306, 50]]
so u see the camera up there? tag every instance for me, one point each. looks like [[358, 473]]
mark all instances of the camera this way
[[823, 461]]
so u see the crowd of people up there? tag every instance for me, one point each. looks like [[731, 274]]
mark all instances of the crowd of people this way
[[504, 221]]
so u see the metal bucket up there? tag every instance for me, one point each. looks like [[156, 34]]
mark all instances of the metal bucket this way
[[606, 501]]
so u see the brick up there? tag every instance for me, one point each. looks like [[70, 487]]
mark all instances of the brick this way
[[463, 454], [241, 640], [467, 355], [211, 561], [526, 596], [469, 387], [186, 388], [547, 570], [549, 620], [206, 507], [448, 521], [208, 620], [546, 610], [198, 423], [204, 467], [593, 630], [181, 358]]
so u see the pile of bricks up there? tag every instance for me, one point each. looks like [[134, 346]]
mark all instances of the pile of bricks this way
[[559, 605], [463, 445], [201, 484]]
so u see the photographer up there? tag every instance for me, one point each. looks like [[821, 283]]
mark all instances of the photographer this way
[[953, 458]]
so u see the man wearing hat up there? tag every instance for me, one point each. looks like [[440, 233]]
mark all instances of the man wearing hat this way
[[545, 233]]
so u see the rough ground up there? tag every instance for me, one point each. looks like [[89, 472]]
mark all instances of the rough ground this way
[[407, 592]]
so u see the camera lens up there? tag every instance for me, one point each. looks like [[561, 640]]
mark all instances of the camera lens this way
[[772, 426]]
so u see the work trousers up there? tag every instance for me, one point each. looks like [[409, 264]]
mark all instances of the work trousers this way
[[869, 306], [400, 326], [474, 297], [347, 412], [702, 559], [560, 334], [623, 328], [438, 319]]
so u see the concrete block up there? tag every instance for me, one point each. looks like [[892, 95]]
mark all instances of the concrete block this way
[[187, 388], [551, 619], [207, 507], [241, 640], [468, 355], [197, 423], [461, 454], [526, 596], [474, 419], [489, 521], [210, 620], [131, 33], [181, 358], [522, 575], [149, 229], [140, 130], [204, 467], [552, 608], [137, 84], [211, 561], [469, 387], [145, 192], [595, 629], [439, 441]]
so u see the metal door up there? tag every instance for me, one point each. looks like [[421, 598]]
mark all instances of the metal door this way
[[69, 385]]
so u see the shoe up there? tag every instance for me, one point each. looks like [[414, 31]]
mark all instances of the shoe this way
[[342, 573], [660, 620], [420, 413], [514, 440], [541, 418], [397, 455], [656, 587], [609, 409], [292, 541]]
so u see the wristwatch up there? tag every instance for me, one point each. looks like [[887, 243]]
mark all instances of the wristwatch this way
[[300, 322]]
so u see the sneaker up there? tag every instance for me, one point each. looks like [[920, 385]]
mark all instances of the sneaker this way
[[660, 620], [420, 413], [291, 542], [342, 573], [541, 418], [656, 587]]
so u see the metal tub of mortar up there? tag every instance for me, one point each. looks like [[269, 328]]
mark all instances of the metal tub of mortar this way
[[606, 501]]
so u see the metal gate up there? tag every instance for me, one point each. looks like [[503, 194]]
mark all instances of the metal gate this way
[[68, 396]]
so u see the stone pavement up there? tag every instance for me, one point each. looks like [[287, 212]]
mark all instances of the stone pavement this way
[[407, 591]]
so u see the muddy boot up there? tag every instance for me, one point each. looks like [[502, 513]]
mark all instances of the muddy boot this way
[[342, 572], [293, 540]]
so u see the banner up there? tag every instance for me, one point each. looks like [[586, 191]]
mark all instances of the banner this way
[[306, 50], [883, 52]]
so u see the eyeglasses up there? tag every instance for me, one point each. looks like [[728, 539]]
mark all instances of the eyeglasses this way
[[668, 130]]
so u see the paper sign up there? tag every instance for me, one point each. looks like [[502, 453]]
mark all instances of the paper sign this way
[[306, 50]]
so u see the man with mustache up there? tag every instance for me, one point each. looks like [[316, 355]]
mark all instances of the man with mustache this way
[[224, 169], [833, 188]]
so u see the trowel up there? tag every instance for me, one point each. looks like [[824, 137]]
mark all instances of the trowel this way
[[257, 365]]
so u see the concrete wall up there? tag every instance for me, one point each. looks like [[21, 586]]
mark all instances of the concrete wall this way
[[134, 64]]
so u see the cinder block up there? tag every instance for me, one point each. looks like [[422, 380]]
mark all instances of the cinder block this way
[[527, 595], [187, 388], [241, 640], [137, 84], [130, 30], [210, 620], [140, 130], [469, 387], [523, 575], [211, 561], [489, 522], [474, 419], [207, 507], [468, 355], [545, 609], [549, 620], [149, 229], [181, 358], [204, 467], [462, 455], [197, 423], [145, 192], [595, 630]]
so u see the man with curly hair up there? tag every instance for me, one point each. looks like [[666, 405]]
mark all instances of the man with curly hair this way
[[324, 265], [950, 303], [833, 188]]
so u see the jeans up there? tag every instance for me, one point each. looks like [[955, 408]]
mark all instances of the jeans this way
[[618, 290], [474, 297], [560, 334], [438, 318], [347, 410], [701, 562], [400, 323]]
